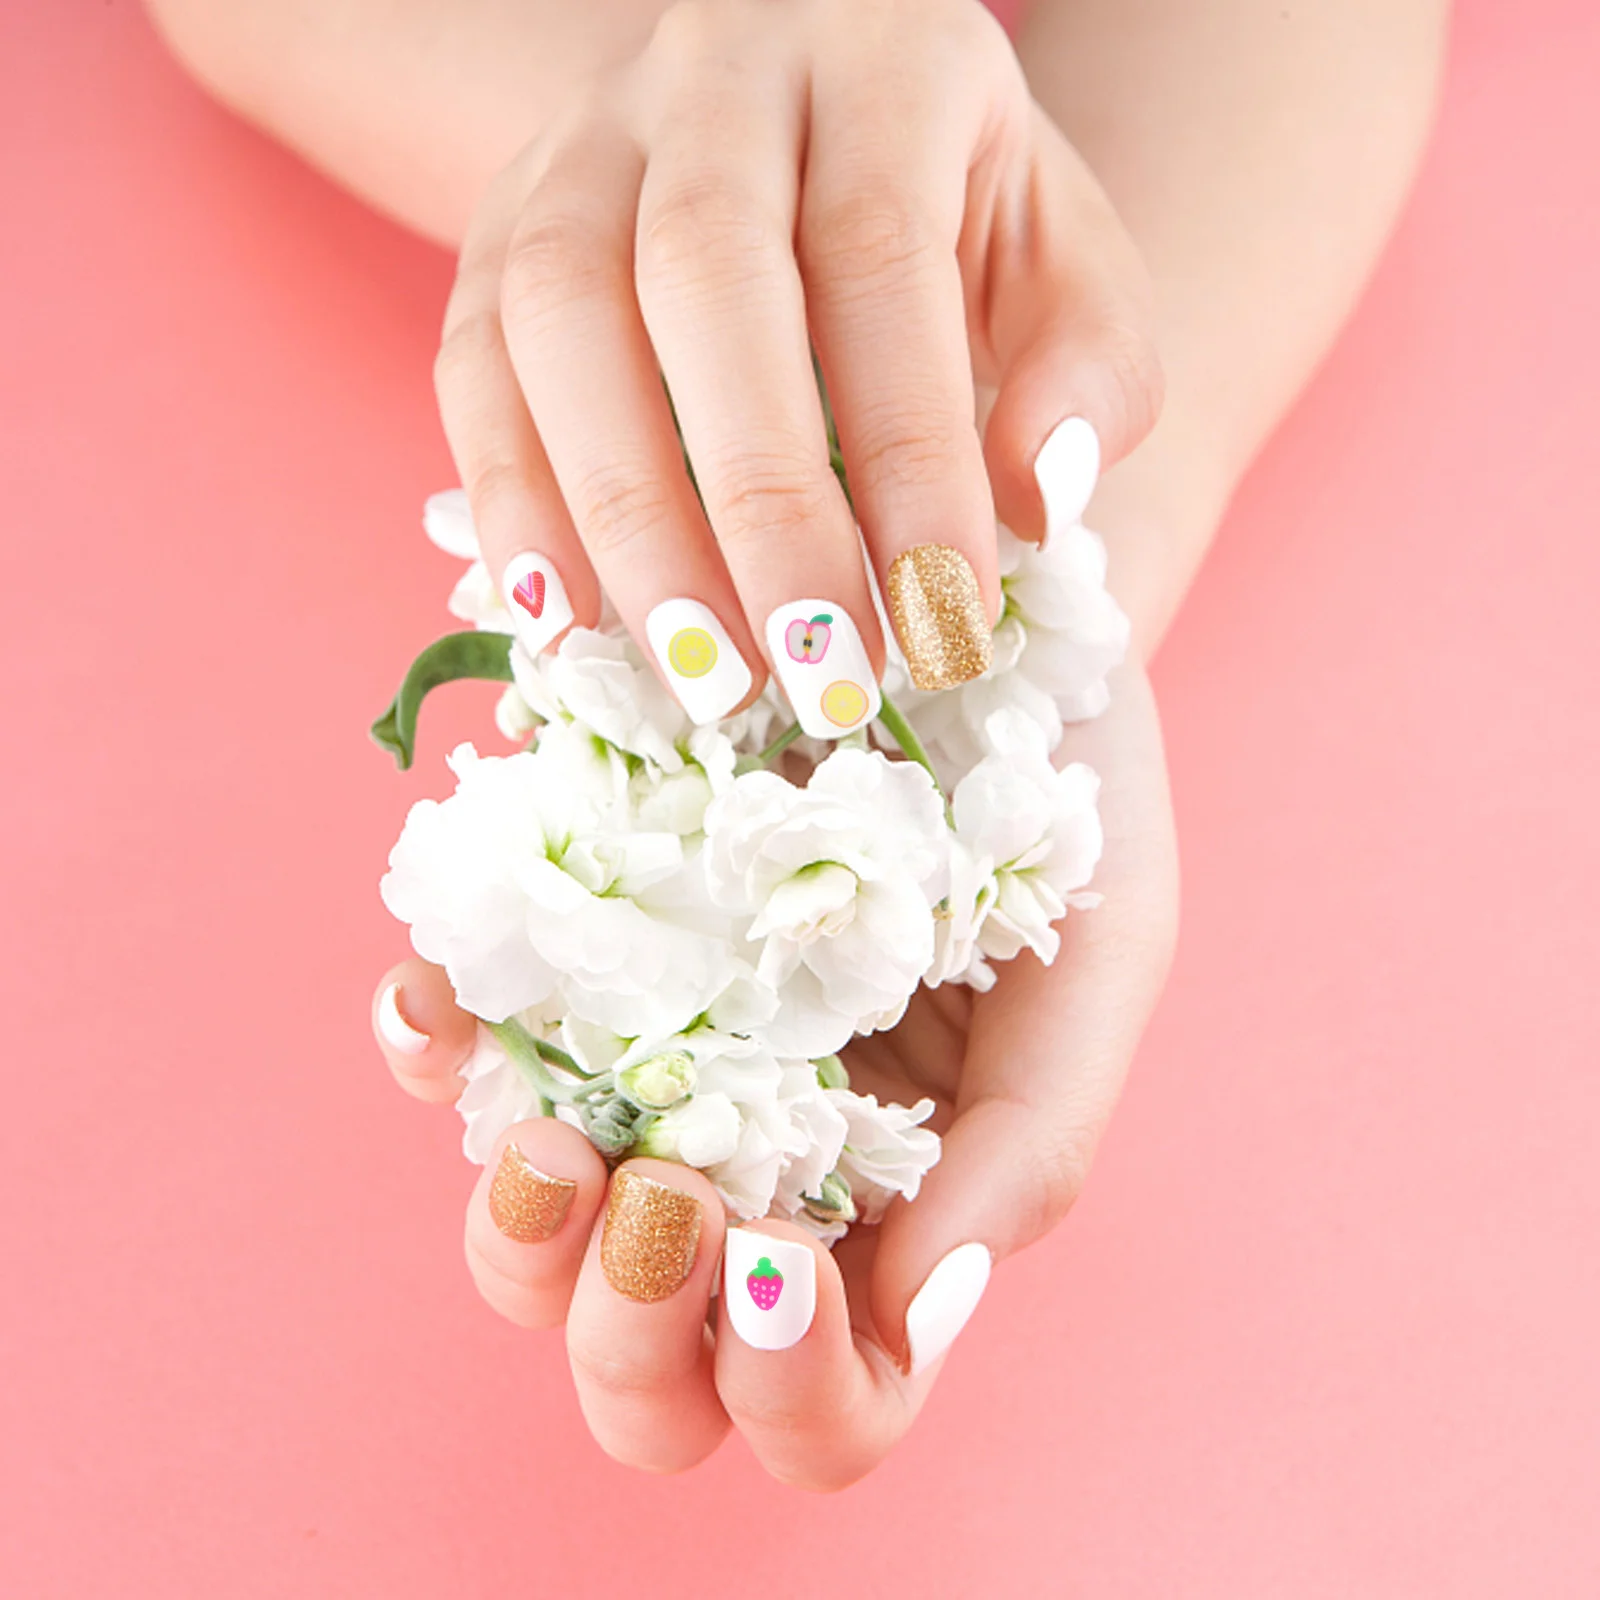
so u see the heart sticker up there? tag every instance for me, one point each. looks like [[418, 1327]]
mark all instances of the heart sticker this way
[[529, 594]]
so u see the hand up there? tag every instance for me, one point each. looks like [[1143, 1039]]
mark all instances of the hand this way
[[868, 176], [1025, 1077]]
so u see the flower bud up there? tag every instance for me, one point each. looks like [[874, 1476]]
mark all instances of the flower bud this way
[[612, 1126], [834, 1204], [831, 1073], [660, 1081]]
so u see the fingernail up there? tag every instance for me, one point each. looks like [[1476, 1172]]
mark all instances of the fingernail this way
[[823, 667], [939, 614], [651, 1233], [537, 600], [1066, 470], [397, 1033], [706, 672], [771, 1288], [526, 1204], [942, 1305]]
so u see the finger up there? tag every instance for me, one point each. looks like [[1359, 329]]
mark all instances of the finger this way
[[637, 1339], [880, 221], [529, 1219], [524, 530], [818, 1405], [721, 297], [1046, 1056], [1080, 384], [423, 1034], [585, 364]]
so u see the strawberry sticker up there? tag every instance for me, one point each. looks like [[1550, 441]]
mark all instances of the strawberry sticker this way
[[765, 1281], [529, 594], [808, 641]]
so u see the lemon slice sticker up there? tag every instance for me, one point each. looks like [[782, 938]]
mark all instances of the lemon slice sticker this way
[[844, 703], [692, 652]]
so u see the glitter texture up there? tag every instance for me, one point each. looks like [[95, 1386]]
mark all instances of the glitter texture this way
[[651, 1234], [938, 613], [526, 1204]]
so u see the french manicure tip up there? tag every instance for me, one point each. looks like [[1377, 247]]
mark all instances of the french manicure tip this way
[[944, 1303], [396, 1031]]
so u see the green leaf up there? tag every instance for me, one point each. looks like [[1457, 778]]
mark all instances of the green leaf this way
[[457, 655]]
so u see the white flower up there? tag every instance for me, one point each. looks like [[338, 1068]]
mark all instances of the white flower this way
[[520, 883], [1076, 632], [453, 877], [447, 520], [957, 922], [839, 878], [1033, 837], [601, 681], [885, 1151]]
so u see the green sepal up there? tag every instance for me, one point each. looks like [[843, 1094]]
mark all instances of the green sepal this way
[[765, 1269], [458, 655]]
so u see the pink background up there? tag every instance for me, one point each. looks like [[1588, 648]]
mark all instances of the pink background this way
[[1326, 1323]]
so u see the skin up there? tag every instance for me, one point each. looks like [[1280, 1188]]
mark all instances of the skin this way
[[973, 235]]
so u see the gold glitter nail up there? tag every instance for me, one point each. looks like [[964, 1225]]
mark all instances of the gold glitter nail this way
[[939, 615], [651, 1233], [526, 1204]]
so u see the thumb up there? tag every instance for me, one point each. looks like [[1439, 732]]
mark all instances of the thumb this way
[[1070, 328], [1047, 1053]]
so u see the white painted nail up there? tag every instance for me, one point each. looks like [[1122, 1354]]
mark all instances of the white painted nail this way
[[823, 667], [771, 1288], [706, 672], [942, 1305], [397, 1032], [1066, 470], [537, 600]]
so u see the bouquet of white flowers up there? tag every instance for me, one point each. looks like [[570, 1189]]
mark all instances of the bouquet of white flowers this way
[[670, 932]]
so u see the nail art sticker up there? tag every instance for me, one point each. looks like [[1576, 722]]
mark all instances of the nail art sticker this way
[[705, 670], [840, 698], [770, 1286], [765, 1284], [537, 600], [1066, 470], [807, 640]]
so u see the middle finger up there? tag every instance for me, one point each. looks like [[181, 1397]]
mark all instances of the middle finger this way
[[722, 298]]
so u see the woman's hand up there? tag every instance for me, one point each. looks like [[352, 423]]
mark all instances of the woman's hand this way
[[1024, 1076], [868, 177]]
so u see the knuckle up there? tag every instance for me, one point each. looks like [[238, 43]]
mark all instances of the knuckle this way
[[702, 227], [1056, 1170], [866, 235], [639, 1373], [492, 483], [1137, 376], [911, 448], [466, 348], [551, 262], [613, 505], [769, 501], [683, 31]]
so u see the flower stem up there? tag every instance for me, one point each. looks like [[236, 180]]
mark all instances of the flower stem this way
[[891, 716], [532, 1055], [773, 750]]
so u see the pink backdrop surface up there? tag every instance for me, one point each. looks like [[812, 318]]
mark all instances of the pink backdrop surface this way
[[1326, 1322]]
